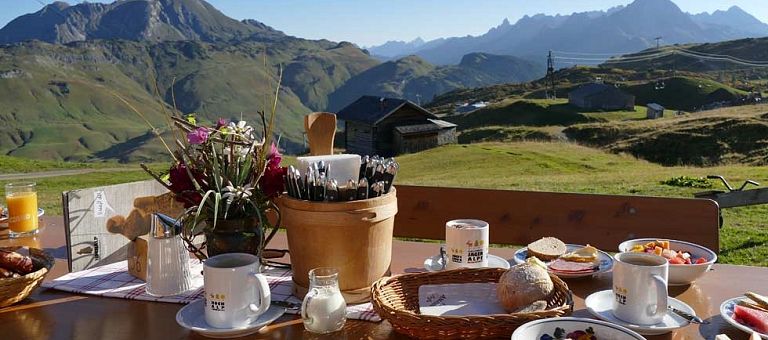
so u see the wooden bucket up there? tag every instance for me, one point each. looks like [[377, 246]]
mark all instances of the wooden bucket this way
[[355, 237]]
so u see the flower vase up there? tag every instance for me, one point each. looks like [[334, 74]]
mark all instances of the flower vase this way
[[242, 235]]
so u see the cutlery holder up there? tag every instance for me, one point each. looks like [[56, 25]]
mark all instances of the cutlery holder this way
[[355, 237]]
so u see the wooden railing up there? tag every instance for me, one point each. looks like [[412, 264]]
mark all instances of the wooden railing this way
[[519, 217]]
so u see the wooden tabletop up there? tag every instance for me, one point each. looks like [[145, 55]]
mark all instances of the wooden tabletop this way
[[51, 314]]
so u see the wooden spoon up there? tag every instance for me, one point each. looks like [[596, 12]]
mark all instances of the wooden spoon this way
[[321, 131]]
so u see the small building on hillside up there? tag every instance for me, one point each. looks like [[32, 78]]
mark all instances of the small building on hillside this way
[[390, 126], [655, 111], [596, 96]]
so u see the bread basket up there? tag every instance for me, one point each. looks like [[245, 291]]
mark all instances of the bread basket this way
[[396, 299], [15, 289]]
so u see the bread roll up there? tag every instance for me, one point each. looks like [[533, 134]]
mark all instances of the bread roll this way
[[15, 262], [524, 284], [547, 249]]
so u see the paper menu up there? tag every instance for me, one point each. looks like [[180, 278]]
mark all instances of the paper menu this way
[[459, 299]]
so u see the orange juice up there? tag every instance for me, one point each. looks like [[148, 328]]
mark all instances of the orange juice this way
[[22, 211]]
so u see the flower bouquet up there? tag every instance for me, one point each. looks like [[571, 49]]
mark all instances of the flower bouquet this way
[[225, 174]]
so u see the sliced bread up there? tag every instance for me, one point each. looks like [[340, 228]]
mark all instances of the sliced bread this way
[[547, 249]]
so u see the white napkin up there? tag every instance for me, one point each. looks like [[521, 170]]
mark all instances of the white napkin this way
[[459, 299]]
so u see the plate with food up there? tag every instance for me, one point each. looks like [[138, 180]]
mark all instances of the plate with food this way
[[572, 328], [567, 260], [748, 313], [687, 261]]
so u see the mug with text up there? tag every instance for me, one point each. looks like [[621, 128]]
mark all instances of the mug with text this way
[[235, 293], [640, 288], [466, 243]]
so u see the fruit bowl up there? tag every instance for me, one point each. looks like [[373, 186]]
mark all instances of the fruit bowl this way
[[680, 274]]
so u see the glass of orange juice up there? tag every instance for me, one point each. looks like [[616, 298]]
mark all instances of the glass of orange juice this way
[[21, 199]]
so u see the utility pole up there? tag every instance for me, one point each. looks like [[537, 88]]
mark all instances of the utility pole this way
[[658, 39], [551, 76]]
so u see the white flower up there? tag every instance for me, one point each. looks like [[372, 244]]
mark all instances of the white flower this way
[[240, 151], [241, 128], [232, 193]]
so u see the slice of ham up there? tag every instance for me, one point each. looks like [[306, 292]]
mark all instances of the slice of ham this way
[[564, 266]]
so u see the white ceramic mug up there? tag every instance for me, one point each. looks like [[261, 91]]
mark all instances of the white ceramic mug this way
[[466, 244], [640, 288], [235, 293]]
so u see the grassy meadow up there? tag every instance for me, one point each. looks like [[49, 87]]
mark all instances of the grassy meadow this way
[[540, 166]]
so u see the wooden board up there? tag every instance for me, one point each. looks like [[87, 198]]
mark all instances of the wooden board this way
[[123, 207], [519, 217]]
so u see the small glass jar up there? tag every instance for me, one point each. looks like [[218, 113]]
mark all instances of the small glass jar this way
[[324, 309], [167, 258]]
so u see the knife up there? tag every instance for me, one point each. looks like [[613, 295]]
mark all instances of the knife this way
[[691, 318]]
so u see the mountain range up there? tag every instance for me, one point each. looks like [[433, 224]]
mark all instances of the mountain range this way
[[618, 30], [62, 69]]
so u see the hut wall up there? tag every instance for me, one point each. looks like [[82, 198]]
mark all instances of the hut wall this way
[[415, 142], [384, 142], [359, 138], [447, 136]]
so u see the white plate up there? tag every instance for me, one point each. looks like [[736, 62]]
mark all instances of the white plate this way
[[603, 330], [726, 311], [606, 261], [435, 263], [4, 215], [192, 317], [600, 304]]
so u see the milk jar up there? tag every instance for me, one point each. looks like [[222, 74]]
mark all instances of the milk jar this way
[[324, 309]]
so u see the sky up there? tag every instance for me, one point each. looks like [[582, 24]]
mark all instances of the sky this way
[[372, 22]]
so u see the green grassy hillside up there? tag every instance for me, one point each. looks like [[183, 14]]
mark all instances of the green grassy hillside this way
[[683, 93], [729, 135]]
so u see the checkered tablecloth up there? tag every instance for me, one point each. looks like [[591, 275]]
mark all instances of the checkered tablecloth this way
[[113, 280]]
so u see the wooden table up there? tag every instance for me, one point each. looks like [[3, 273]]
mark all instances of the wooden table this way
[[51, 314]]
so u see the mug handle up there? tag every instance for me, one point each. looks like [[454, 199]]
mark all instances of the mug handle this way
[[265, 297], [661, 296], [304, 304]]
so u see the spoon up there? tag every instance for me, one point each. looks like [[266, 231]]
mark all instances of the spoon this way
[[689, 317]]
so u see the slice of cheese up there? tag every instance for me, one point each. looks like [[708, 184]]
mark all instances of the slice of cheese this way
[[586, 254]]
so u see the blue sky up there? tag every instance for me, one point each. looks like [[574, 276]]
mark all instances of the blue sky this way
[[368, 22]]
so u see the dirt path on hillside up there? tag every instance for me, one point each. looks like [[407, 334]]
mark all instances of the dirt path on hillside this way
[[56, 173]]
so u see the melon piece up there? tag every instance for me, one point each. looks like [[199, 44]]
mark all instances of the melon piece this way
[[751, 317]]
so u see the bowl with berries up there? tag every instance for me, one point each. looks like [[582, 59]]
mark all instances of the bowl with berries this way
[[687, 261]]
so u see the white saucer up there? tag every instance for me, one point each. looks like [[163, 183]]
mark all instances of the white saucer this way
[[192, 317], [435, 263], [4, 215], [600, 304], [726, 311], [606, 261]]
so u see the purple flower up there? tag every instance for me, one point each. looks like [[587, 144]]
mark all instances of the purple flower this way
[[221, 122], [198, 136], [274, 157]]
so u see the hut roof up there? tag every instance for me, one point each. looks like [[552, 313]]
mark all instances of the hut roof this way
[[373, 109], [655, 107], [434, 125]]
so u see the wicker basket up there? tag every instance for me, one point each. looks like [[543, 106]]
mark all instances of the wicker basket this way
[[396, 299], [15, 289]]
